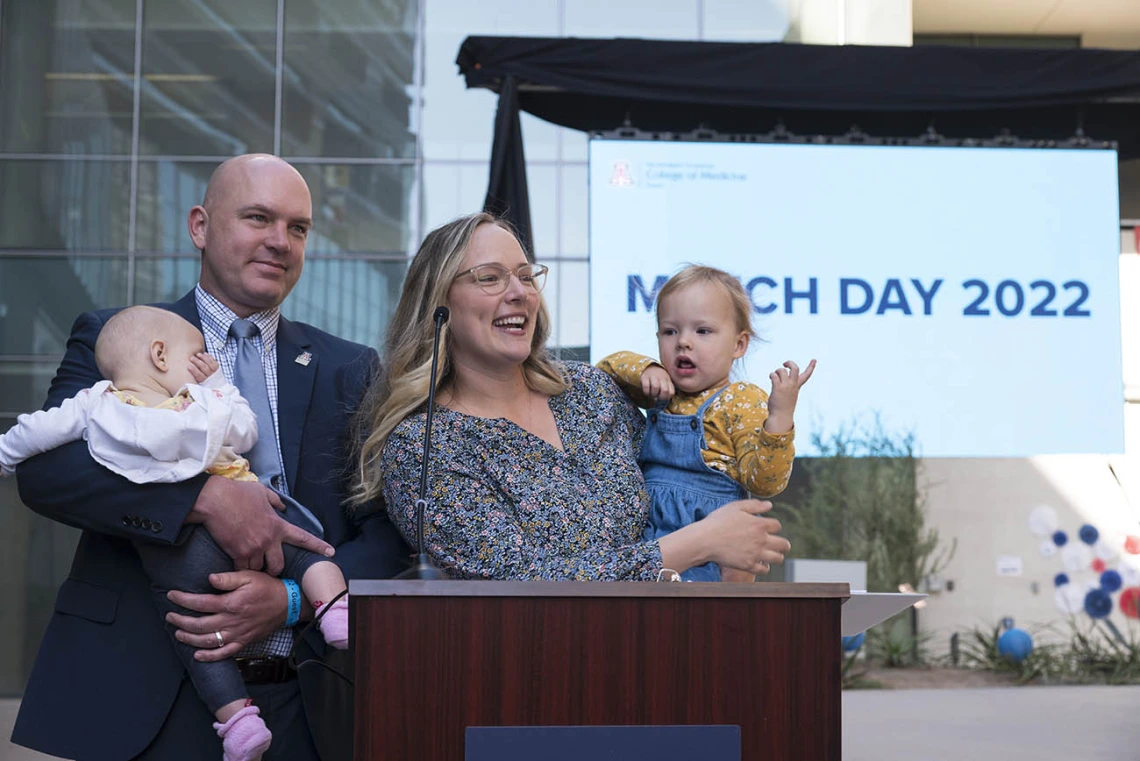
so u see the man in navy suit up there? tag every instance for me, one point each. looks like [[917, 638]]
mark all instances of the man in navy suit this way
[[106, 683]]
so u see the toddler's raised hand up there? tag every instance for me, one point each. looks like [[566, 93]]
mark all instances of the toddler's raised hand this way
[[656, 383], [786, 384], [202, 366]]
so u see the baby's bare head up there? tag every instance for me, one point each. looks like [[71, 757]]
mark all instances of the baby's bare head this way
[[141, 340]]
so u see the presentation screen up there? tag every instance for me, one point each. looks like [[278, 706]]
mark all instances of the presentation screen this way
[[967, 296]]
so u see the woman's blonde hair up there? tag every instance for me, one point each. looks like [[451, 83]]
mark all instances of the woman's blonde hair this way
[[401, 389], [699, 273]]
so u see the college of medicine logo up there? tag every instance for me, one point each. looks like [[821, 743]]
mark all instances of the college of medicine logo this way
[[621, 176]]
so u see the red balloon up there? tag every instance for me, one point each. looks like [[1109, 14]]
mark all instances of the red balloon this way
[[1132, 545], [1130, 602], [1098, 565]]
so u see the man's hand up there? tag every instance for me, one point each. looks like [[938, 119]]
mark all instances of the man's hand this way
[[656, 383], [242, 518], [202, 366], [252, 606]]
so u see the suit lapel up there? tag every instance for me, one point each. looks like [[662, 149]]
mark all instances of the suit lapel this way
[[187, 308], [294, 390]]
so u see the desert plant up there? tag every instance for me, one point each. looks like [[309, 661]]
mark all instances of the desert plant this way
[[1099, 655], [894, 644], [860, 500]]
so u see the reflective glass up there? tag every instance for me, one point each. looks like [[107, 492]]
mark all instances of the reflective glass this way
[[348, 81], [167, 192], [458, 123], [64, 205], [24, 385], [452, 190], [651, 19], [208, 85], [35, 555], [573, 319], [67, 76], [360, 208], [350, 298], [40, 297], [165, 279], [575, 211]]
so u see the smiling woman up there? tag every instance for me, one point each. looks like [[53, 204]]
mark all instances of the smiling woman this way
[[533, 471]]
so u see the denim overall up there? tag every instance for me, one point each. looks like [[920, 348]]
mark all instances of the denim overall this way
[[683, 489]]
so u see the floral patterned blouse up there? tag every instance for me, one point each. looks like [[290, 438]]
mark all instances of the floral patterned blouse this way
[[738, 445], [505, 504]]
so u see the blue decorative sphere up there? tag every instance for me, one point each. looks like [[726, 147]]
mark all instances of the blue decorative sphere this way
[[1060, 538], [1098, 603], [1015, 645], [853, 643], [1060, 579], [1110, 581], [1089, 534]]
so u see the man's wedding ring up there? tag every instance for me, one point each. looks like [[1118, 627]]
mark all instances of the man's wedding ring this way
[[218, 635]]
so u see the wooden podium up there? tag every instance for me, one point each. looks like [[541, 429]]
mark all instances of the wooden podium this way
[[435, 657]]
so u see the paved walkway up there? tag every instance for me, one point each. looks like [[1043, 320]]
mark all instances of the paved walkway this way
[[993, 724]]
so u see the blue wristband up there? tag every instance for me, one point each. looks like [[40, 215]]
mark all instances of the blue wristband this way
[[294, 593]]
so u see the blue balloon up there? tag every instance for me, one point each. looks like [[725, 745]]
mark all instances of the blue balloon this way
[[1015, 645], [1098, 603], [1089, 534], [1060, 579], [1110, 581], [853, 643], [1060, 538]]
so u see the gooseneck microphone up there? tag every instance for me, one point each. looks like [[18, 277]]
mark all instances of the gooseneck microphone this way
[[421, 566]]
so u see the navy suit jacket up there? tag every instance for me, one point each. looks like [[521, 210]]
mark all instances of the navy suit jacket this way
[[106, 675]]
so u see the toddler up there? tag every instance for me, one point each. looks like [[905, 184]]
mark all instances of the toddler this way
[[166, 414], [708, 441]]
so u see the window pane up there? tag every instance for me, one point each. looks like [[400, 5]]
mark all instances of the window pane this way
[[350, 298], [24, 385], [360, 208], [64, 205], [35, 555], [208, 77], [166, 279], [40, 297], [167, 192], [67, 76], [348, 78]]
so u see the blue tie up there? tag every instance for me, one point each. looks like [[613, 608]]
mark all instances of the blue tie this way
[[249, 377]]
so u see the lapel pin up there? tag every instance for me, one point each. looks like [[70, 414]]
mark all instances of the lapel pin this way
[[304, 358]]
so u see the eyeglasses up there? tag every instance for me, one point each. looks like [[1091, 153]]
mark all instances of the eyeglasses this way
[[494, 278]]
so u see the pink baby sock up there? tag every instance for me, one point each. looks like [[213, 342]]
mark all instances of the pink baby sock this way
[[245, 736], [334, 624]]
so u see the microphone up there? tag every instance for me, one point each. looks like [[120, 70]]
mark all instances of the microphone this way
[[422, 567]]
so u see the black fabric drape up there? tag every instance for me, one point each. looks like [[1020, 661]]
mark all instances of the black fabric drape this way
[[506, 189]]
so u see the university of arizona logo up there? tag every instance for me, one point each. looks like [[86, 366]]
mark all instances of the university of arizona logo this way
[[621, 177]]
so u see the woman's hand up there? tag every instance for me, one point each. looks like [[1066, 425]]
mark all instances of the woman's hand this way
[[737, 535]]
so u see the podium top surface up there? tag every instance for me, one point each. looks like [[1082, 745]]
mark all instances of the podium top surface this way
[[392, 588]]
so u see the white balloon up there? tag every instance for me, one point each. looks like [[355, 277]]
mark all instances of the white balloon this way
[[1048, 549], [1104, 550], [1069, 599], [1129, 576], [1042, 520], [1076, 556]]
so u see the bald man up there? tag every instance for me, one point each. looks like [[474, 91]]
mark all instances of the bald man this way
[[106, 683]]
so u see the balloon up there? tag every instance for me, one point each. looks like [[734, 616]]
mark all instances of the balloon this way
[[1132, 545], [1098, 603], [1089, 534], [1076, 557], [1098, 565], [1015, 644], [1130, 602], [853, 643], [1110, 581], [1060, 538], [1042, 521], [1069, 599], [1060, 579]]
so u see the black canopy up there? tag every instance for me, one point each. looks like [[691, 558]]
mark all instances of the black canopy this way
[[896, 92]]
